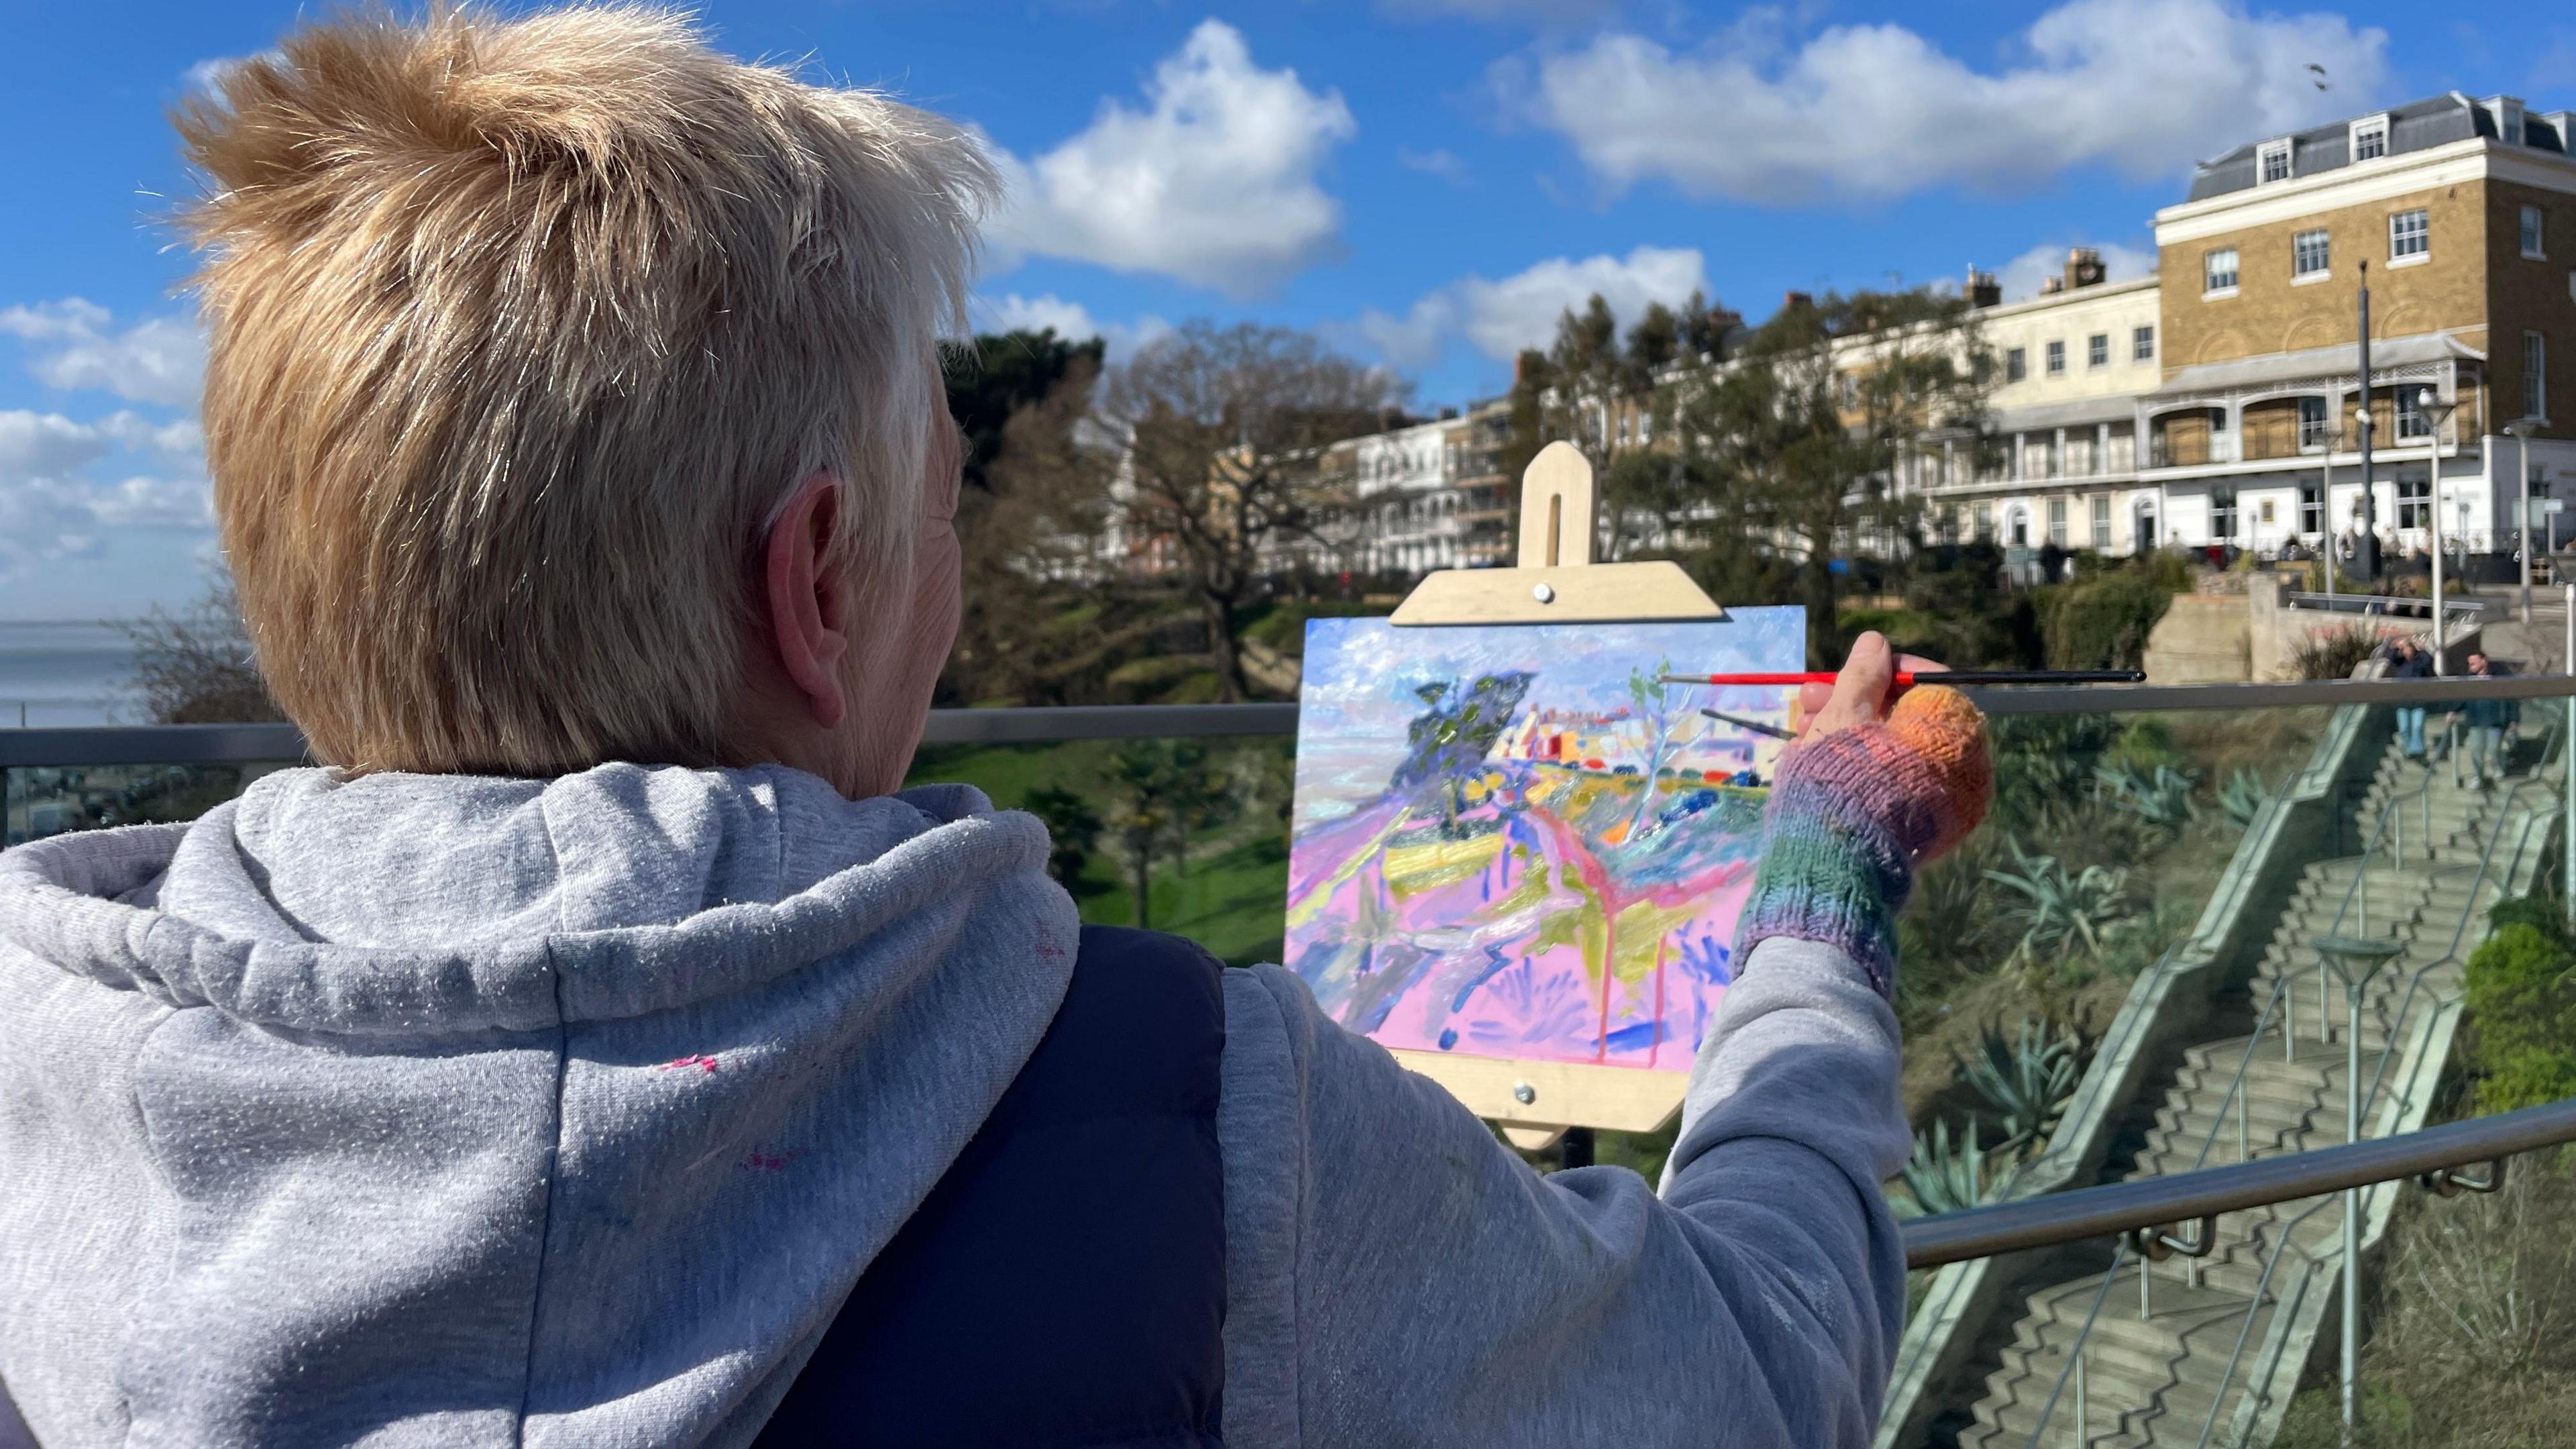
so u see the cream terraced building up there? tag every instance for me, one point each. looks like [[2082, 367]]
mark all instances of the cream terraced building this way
[[2063, 467]]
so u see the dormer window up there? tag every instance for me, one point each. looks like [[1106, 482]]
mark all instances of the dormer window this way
[[2507, 112], [2273, 162], [2369, 138]]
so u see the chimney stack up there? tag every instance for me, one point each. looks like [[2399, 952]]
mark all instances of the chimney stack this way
[[2083, 268], [2051, 286], [1795, 301], [1983, 291]]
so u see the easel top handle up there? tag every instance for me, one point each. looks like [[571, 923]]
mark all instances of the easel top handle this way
[[1556, 509]]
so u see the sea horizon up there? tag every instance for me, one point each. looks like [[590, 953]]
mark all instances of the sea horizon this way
[[60, 672]]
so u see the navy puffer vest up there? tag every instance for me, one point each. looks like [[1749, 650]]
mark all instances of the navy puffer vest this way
[[1064, 1285]]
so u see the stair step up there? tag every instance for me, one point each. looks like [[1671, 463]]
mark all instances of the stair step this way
[[2149, 1381]]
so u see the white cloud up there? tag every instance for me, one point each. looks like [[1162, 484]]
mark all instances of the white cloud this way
[[2020, 277], [1441, 163], [50, 509], [1501, 318], [1013, 312], [1860, 112], [153, 503], [1213, 183], [79, 349], [1541, 12]]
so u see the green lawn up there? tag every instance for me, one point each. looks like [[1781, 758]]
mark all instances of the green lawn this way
[[1234, 893]]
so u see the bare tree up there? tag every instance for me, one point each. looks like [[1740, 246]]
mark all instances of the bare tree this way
[[195, 666], [1224, 428]]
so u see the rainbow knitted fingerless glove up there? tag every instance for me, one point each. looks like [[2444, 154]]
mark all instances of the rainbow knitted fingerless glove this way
[[1852, 813]]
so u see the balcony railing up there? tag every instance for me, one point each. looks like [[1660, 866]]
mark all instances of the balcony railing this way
[[65, 777]]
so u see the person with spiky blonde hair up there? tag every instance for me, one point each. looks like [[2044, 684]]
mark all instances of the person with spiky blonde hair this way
[[600, 1047]]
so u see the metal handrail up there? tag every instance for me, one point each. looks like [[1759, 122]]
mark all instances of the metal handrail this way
[[2146, 1202], [267, 743], [2288, 1240], [2391, 808], [2392, 811]]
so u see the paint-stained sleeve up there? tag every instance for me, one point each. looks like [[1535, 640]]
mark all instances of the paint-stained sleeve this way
[[1424, 1287]]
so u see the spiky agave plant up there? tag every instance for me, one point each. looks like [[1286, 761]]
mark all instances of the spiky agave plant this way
[[2161, 797], [2027, 1078], [1946, 1174], [2242, 797], [2061, 913]]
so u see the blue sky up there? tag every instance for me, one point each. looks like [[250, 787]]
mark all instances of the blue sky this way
[[1426, 182]]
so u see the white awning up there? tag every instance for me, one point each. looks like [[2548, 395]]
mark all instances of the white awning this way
[[2081, 413], [2341, 360]]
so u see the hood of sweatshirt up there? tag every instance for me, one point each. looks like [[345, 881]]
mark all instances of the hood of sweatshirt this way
[[431, 1109]]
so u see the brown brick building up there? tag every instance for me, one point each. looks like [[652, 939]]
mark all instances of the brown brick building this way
[[2464, 213]]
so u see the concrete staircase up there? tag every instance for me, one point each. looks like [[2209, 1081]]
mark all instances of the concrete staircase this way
[[2151, 1377]]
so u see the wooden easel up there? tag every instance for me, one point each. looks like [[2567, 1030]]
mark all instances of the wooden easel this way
[[1555, 582]]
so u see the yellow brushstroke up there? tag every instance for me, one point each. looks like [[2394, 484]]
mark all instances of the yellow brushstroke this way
[[1413, 870], [1306, 907], [1642, 928]]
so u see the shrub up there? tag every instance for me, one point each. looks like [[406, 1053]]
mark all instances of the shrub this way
[[2528, 1079], [2538, 912], [2146, 742], [2332, 653], [2521, 999], [2046, 761], [2518, 994], [2103, 622]]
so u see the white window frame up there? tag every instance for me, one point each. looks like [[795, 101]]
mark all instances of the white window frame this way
[[2535, 376], [2535, 233], [2266, 154], [2056, 355], [2097, 350], [2142, 343], [2312, 433], [2017, 363], [2300, 273], [2101, 521], [2057, 534], [2423, 233], [2412, 425], [2210, 286], [2367, 126]]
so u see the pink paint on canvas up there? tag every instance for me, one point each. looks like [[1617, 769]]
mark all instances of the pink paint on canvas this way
[[1514, 842]]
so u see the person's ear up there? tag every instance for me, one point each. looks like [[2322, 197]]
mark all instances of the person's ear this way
[[807, 586]]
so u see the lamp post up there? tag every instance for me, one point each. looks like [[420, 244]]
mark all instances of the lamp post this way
[[2520, 430], [2435, 412], [2356, 960], [2332, 437]]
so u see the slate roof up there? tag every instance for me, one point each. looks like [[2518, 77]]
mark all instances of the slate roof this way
[[2415, 126]]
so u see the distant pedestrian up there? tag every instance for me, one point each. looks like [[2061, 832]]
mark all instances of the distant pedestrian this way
[[2490, 723], [2409, 660]]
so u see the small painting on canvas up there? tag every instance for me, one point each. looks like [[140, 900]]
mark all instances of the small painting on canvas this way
[[1515, 842]]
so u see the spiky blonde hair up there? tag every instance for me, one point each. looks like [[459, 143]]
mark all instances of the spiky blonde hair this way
[[522, 330]]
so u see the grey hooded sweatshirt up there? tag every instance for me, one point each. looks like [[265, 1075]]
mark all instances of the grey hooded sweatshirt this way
[[421, 1110]]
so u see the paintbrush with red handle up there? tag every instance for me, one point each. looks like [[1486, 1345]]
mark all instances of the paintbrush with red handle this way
[[1907, 678]]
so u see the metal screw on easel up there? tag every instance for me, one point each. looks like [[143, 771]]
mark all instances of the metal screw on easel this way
[[1524, 1093]]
